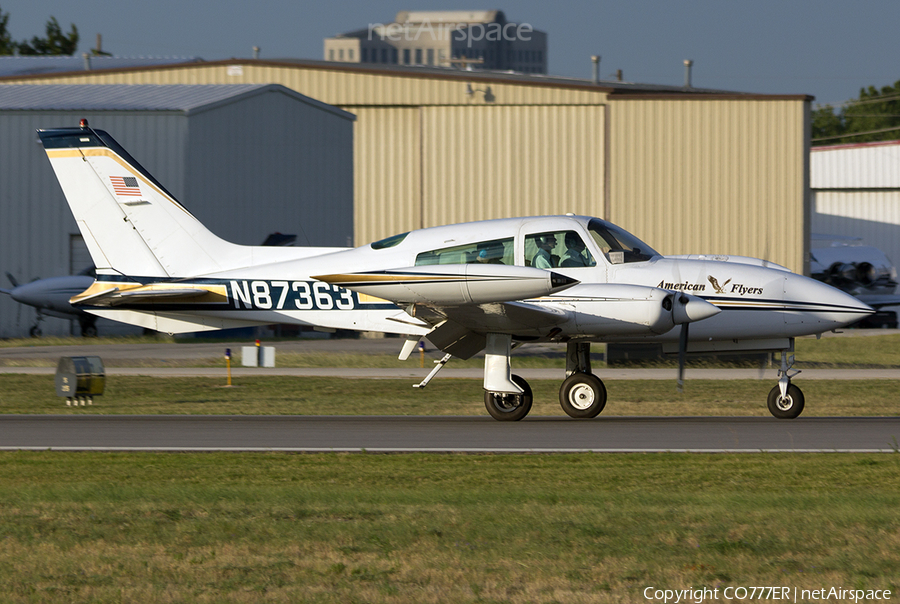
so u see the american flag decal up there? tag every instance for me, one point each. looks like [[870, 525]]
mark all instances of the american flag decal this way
[[125, 185]]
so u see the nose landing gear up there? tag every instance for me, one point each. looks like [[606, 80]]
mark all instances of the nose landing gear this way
[[785, 400]]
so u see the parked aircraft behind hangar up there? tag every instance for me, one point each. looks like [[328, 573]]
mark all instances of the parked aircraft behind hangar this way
[[51, 297], [860, 270], [482, 286]]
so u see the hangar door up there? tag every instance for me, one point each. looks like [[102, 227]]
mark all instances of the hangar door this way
[[425, 166], [481, 162]]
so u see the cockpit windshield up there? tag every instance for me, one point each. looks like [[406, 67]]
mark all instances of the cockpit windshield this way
[[618, 245]]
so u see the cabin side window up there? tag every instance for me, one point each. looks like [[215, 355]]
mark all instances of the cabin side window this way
[[497, 251], [557, 249]]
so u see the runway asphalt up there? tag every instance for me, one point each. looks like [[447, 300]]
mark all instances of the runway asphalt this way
[[447, 434]]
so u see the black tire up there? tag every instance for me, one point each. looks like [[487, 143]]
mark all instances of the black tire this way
[[582, 396], [789, 407], [509, 407]]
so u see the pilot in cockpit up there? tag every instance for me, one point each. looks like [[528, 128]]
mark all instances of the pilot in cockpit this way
[[544, 257], [574, 255]]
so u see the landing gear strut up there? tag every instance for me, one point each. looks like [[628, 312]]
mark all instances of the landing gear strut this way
[[507, 397], [582, 395], [786, 400]]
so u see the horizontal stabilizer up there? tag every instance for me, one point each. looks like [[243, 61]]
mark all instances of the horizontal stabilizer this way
[[453, 284], [171, 322], [107, 295]]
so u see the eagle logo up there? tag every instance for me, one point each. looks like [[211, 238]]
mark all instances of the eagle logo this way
[[720, 289]]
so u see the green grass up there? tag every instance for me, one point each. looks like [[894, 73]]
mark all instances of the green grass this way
[[93, 527], [867, 351], [73, 341], [284, 395], [872, 351]]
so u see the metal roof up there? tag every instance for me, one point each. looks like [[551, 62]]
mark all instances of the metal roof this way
[[485, 75], [140, 97], [615, 87], [19, 65]]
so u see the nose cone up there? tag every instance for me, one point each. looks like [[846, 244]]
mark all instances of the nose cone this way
[[819, 306], [690, 308], [560, 282]]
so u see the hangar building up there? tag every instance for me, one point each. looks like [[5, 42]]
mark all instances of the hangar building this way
[[688, 170], [856, 193], [225, 151]]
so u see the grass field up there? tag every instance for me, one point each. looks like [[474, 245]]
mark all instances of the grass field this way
[[871, 351], [94, 527], [285, 395], [184, 528]]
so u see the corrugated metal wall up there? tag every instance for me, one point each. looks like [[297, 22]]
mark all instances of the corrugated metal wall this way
[[713, 176], [496, 162], [387, 172], [863, 166], [441, 165], [873, 216], [270, 163]]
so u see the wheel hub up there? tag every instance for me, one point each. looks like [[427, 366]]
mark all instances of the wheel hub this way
[[508, 402], [581, 397], [785, 402]]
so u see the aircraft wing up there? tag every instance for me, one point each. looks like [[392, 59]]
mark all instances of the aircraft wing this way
[[460, 330], [445, 285], [497, 316], [465, 301]]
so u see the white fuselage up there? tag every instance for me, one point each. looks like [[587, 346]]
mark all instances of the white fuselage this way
[[618, 300]]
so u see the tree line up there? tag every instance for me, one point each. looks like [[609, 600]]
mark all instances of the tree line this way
[[55, 42], [874, 116]]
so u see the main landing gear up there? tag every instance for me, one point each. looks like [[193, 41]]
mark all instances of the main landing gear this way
[[507, 407], [582, 395], [786, 400]]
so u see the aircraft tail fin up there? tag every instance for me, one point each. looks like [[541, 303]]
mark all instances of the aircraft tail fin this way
[[130, 223]]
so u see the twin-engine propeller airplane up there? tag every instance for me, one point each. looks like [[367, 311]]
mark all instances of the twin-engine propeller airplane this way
[[489, 285]]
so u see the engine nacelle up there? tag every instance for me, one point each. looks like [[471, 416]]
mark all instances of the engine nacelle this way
[[617, 309]]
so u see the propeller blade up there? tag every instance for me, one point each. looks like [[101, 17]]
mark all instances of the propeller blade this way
[[682, 353]]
